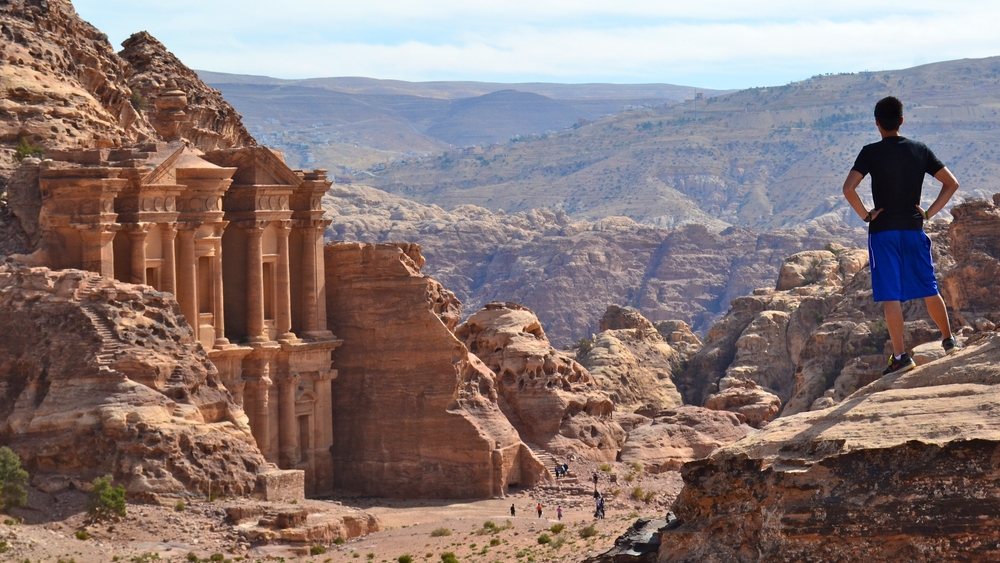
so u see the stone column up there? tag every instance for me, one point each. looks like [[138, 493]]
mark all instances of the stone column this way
[[98, 254], [187, 280], [288, 428], [310, 289], [168, 276], [321, 276], [137, 240], [283, 317], [255, 282], [218, 307], [255, 405]]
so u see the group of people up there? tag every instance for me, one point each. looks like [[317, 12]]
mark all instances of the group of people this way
[[513, 511], [561, 470]]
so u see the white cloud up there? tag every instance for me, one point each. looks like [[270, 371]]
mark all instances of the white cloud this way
[[722, 44]]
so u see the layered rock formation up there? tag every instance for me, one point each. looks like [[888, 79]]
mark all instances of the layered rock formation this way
[[98, 376], [547, 396], [179, 105], [569, 271], [415, 414], [62, 84], [904, 469], [633, 362]]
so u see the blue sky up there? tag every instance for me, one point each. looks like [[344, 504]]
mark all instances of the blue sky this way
[[712, 43]]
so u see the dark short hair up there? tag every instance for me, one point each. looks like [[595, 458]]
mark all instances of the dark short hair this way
[[889, 113]]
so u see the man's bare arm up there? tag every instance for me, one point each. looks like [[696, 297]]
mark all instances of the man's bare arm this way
[[949, 185], [851, 193]]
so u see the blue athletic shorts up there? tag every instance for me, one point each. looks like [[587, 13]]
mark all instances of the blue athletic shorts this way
[[901, 265]]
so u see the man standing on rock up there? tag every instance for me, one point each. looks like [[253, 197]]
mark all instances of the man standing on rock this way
[[899, 252]]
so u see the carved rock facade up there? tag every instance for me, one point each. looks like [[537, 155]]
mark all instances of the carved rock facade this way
[[237, 237]]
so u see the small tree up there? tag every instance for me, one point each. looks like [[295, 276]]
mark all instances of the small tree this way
[[106, 502], [26, 148], [12, 480]]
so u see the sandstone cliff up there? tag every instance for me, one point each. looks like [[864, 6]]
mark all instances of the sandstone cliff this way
[[633, 362], [569, 271], [903, 470], [547, 396], [98, 376], [62, 84], [415, 414], [178, 104]]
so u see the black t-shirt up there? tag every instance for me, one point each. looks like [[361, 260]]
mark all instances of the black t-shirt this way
[[897, 166]]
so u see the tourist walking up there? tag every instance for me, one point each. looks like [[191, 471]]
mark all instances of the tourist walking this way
[[899, 252], [559, 512], [539, 510], [512, 511]]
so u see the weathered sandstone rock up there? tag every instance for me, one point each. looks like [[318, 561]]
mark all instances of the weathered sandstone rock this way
[[61, 84], [98, 376], [743, 397], [677, 436], [548, 396], [903, 470], [415, 414], [178, 104], [632, 361], [970, 287]]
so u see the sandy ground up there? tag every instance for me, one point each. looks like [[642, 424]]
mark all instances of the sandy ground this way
[[46, 530]]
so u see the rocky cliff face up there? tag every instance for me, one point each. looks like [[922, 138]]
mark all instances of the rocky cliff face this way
[[62, 84], [569, 271], [178, 104], [904, 469], [546, 395], [415, 414], [98, 377]]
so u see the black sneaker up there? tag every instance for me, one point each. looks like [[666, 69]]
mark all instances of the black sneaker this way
[[950, 345], [903, 364]]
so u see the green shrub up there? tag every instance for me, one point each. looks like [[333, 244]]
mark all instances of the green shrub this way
[[138, 102], [556, 528], [180, 506], [193, 557], [338, 541], [317, 550], [216, 557], [605, 467], [544, 539], [648, 497], [13, 479], [82, 535], [105, 502], [405, 559], [636, 466], [448, 557], [637, 493], [588, 532], [4, 546], [495, 542], [440, 532], [27, 149]]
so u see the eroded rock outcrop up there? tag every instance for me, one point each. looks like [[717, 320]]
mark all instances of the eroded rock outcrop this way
[[550, 398], [904, 469], [62, 83], [100, 377], [415, 414], [632, 361], [676, 436], [178, 104]]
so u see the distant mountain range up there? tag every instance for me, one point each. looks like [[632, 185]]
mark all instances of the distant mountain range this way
[[361, 121]]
